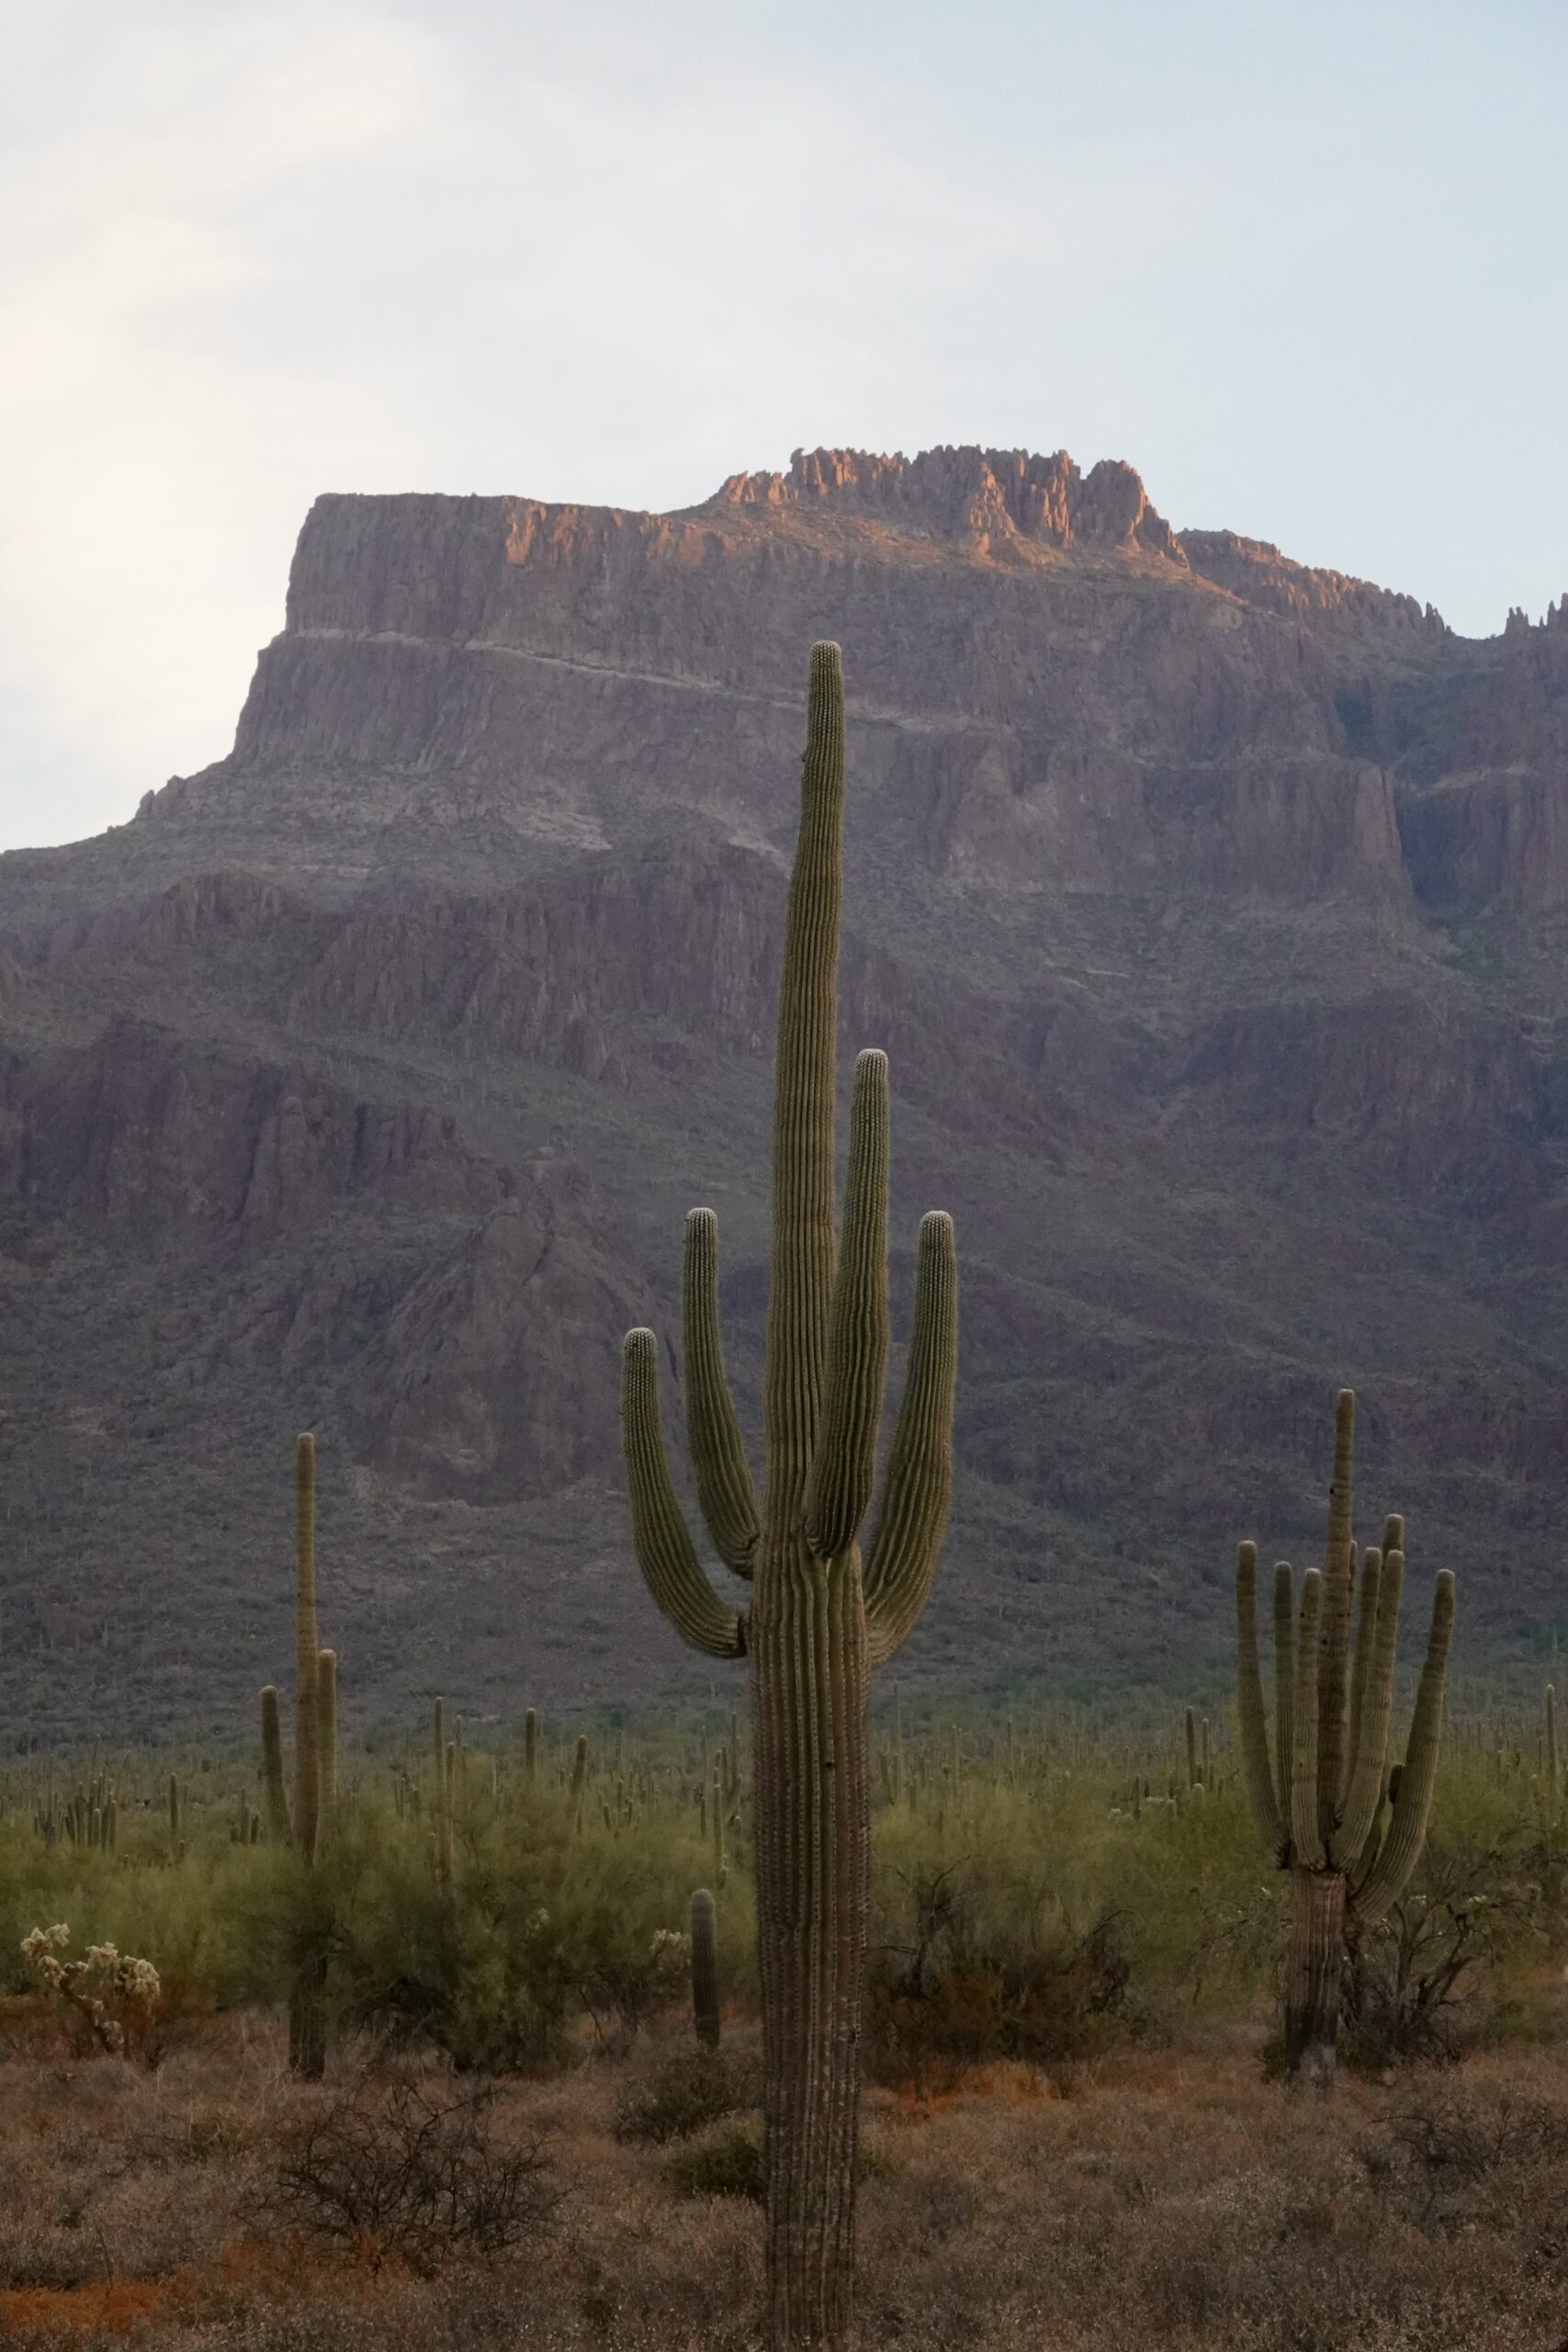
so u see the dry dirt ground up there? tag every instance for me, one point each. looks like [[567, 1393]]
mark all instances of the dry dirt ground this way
[[1165, 2197]]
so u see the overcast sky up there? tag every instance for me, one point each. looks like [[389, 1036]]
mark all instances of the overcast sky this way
[[1302, 264]]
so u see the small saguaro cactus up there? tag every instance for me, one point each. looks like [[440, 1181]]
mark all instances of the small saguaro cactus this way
[[1320, 1802], [579, 1783], [704, 1968], [444, 1853], [1554, 1760], [819, 1618]]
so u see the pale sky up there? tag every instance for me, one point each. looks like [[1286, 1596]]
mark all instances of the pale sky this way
[[1302, 264]]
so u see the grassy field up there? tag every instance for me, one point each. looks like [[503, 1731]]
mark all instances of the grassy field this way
[[1161, 2195], [1073, 2138]]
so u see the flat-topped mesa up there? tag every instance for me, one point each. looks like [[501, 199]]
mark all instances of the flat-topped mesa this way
[[988, 499]]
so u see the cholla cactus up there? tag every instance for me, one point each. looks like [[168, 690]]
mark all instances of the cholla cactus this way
[[112, 1994], [1319, 1805], [819, 1617]]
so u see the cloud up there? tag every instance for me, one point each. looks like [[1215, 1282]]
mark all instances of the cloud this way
[[156, 472], [254, 252]]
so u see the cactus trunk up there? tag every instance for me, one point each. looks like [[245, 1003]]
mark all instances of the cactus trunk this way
[[809, 1687], [1313, 1975]]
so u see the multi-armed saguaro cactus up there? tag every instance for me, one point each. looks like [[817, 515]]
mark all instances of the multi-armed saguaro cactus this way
[[819, 1618], [1319, 1803]]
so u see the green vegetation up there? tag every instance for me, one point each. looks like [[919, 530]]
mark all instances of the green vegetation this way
[[1009, 1849]]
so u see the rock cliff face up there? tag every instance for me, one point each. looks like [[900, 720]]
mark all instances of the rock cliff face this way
[[1211, 909]]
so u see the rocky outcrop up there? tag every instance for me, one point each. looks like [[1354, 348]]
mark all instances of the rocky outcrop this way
[[993, 503]]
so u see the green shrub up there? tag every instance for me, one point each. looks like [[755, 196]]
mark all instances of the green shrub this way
[[689, 2090], [729, 2164]]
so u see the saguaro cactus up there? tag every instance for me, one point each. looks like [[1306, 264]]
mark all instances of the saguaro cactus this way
[[1319, 1803], [1552, 1758], [704, 1968], [315, 1765], [307, 1657], [819, 1617]]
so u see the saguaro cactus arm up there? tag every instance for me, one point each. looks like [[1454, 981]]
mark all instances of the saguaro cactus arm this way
[[1401, 1849], [712, 1428], [1306, 1839], [663, 1546], [1361, 1651], [1284, 1684], [278, 1824], [1382, 1582], [801, 1283], [1249, 1706], [917, 1485], [845, 1464], [326, 1715]]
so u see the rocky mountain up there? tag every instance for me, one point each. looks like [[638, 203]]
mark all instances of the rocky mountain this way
[[1212, 909]]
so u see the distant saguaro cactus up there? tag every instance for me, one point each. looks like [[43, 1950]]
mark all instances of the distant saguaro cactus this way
[[1319, 1803], [279, 1825], [1554, 1760], [819, 1618], [704, 1968], [326, 1734], [315, 1762]]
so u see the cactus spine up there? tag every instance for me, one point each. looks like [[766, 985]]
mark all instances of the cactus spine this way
[[1319, 1802], [704, 1968], [819, 1619]]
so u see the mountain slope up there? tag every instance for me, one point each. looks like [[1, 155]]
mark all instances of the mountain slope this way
[[1210, 908]]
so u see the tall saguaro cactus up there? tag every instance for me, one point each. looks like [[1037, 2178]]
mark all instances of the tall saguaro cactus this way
[[315, 1768], [819, 1617], [1320, 1802]]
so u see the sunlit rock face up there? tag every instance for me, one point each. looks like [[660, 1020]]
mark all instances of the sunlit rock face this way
[[1211, 909]]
